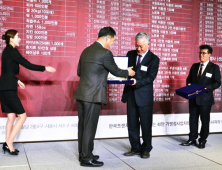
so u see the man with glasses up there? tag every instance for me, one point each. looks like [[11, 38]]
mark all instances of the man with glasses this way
[[206, 74]]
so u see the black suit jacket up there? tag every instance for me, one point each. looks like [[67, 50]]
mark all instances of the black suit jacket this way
[[11, 58], [210, 78], [143, 90], [94, 65]]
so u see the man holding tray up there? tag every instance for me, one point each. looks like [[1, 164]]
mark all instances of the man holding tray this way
[[206, 74]]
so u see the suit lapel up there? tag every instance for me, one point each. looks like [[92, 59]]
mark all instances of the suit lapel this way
[[196, 72], [207, 69], [147, 58], [134, 61]]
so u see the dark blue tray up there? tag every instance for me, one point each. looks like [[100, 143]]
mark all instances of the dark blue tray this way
[[120, 81], [191, 91]]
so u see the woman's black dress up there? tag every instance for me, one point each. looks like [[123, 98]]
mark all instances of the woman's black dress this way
[[11, 58]]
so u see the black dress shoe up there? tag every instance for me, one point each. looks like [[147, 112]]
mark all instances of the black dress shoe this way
[[91, 163], [6, 146], [131, 153], [201, 145], [189, 142], [145, 155], [95, 157]]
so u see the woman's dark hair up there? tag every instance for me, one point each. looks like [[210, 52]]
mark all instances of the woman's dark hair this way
[[9, 34]]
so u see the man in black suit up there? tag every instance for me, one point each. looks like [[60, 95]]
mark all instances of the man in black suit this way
[[139, 96], [95, 62], [206, 74]]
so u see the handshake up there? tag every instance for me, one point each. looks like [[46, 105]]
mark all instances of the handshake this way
[[131, 72]]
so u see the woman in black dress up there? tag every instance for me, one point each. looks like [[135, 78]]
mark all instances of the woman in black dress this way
[[10, 102]]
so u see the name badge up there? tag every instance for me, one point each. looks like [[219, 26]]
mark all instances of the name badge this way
[[144, 68], [208, 75]]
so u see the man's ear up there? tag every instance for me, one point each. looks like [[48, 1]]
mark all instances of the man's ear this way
[[10, 40], [108, 38]]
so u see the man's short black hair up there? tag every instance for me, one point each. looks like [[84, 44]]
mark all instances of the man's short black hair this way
[[205, 46], [105, 31]]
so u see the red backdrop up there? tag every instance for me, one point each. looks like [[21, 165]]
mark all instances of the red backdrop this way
[[54, 32]]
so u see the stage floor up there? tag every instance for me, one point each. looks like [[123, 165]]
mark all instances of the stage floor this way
[[167, 154]]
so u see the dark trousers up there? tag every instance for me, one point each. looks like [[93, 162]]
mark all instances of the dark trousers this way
[[137, 116], [88, 114], [204, 113]]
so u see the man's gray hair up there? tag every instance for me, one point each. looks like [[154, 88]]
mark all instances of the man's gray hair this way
[[141, 35]]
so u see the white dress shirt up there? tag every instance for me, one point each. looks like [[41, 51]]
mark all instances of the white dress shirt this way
[[203, 67], [143, 55]]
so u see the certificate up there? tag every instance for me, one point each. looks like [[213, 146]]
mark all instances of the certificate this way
[[122, 63]]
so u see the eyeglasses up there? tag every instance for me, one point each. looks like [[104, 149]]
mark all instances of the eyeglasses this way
[[203, 53]]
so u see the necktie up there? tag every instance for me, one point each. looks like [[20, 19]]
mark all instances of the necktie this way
[[138, 62], [200, 72]]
